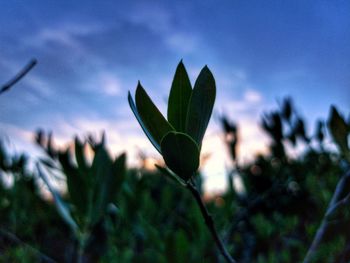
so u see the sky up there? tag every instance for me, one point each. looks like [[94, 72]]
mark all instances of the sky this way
[[91, 53]]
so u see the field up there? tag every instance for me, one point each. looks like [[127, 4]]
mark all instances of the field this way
[[291, 209]]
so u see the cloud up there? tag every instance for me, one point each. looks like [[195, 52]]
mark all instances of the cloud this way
[[111, 85], [251, 103], [39, 85], [57, 36], [67, 40], [157, 18], [183, 43], [231, 79], [104, 82], [65, 34], [252, 96], [161, 21]]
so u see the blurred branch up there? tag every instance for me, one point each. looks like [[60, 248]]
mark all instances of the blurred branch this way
[[11, 238], [341, 198], [18, 77], [340, 204]]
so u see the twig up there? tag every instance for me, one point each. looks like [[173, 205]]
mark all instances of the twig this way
[[343, 202], [209, 222], [19, 76], [17, 241], [338, 200]]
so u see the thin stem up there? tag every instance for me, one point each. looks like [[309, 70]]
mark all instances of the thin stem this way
[[80, 253], [209, 222], [81, 248], [19, 76], [337, 201]]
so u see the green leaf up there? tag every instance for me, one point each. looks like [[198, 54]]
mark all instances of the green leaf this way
[[149, 117], [168, 173], [109, 178], [83, 166], [339, 130], [201, 105], [179, 98], [143, 126], [155, 122], [62, 208], [119, 170], [80, 156], [181, 154], [76, 184], [101, 171]]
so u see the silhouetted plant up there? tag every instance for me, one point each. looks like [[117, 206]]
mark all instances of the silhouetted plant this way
[[336, 219], [179, 139], [91, 188], [273, 220], [282, 188], [340, 130], [320, 133], [230, 130], [284, 125]]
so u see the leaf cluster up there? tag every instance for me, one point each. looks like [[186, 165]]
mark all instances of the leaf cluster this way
[[179, 137]]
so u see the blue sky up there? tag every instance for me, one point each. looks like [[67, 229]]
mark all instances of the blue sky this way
[[91, 53]]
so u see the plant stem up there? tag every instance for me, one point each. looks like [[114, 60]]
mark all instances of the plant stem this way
[[80, 250], [340, 197], [80, 254], [209, 222], [19, 76]]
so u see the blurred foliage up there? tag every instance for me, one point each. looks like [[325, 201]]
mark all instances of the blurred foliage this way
[[149, 218], [91, 188]]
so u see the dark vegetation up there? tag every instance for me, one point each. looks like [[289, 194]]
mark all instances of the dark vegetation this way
[[292, 209]]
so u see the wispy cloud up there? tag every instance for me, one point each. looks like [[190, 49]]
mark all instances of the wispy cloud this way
[[252, 96], [65, 34], [110, 85], [157, 18], [39, 85], [251, 102], [103, 82], [162, 22], [182, 43]]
